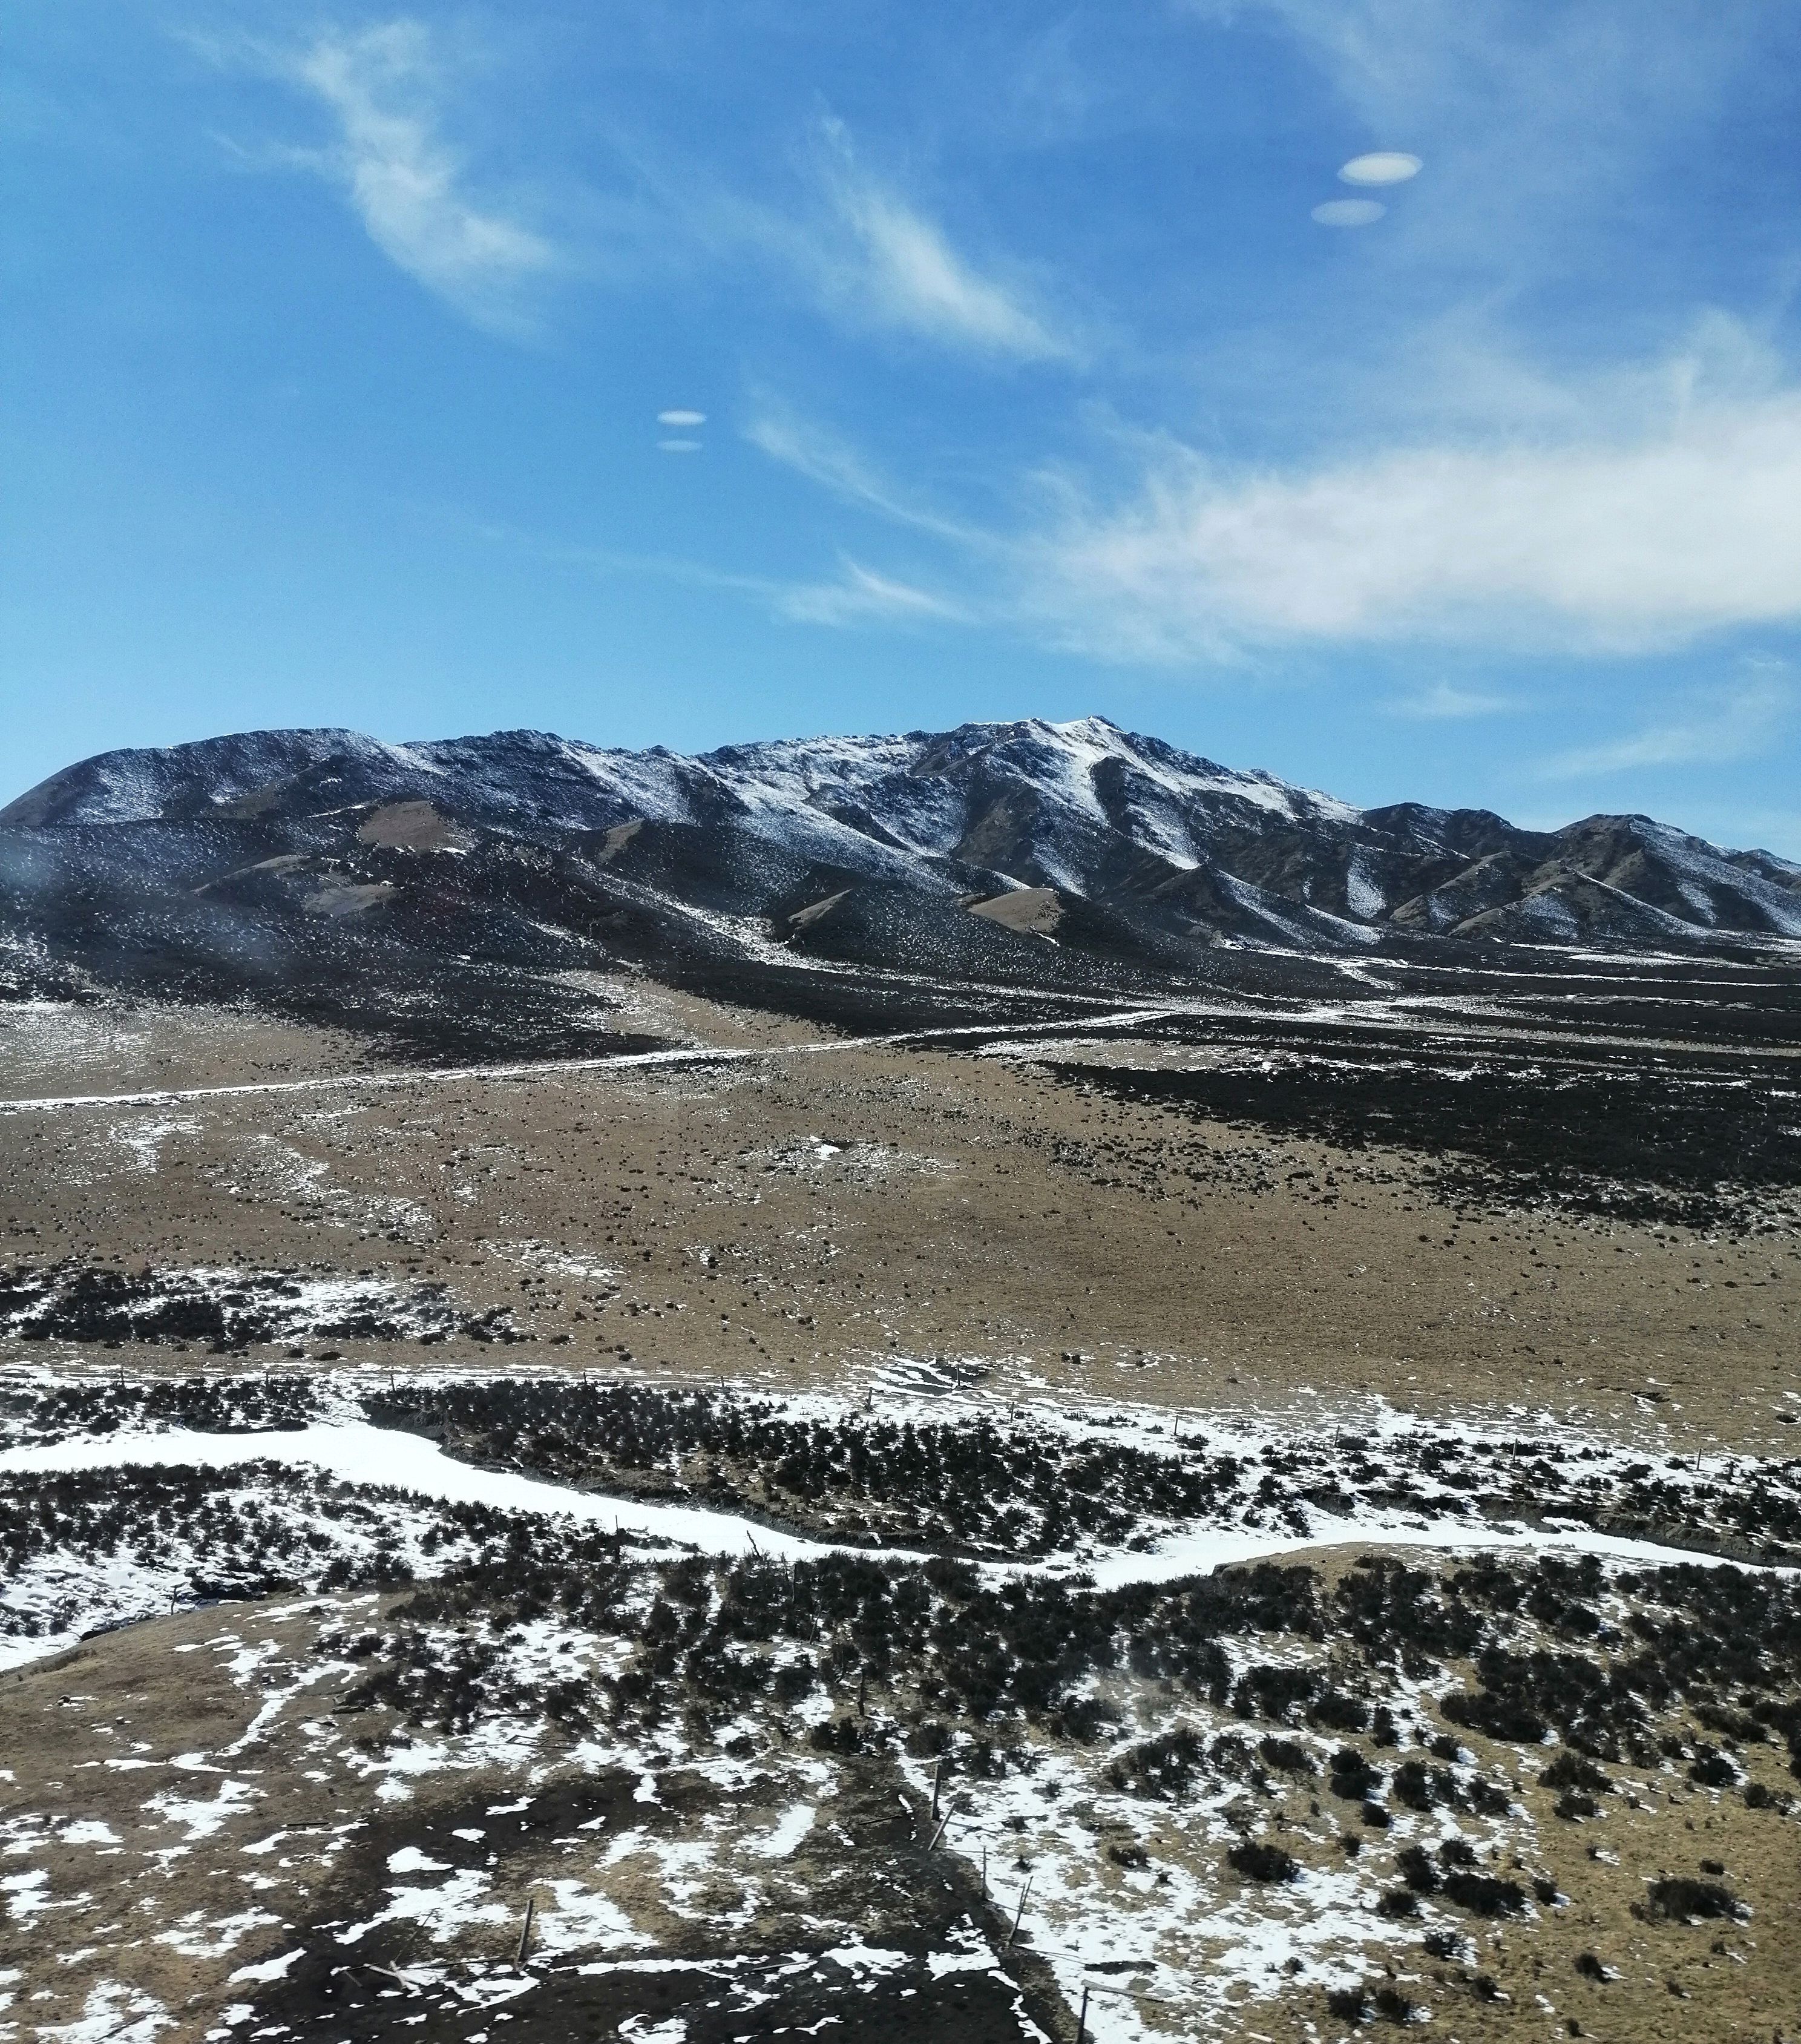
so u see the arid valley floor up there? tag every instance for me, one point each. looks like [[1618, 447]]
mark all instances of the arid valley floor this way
[[1253, 1514]]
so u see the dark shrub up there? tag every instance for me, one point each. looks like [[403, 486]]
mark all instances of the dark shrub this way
[[1259, 1861], [1499, 1716], [1353, 1776], [1272, 1692], [1682, 1900], [835, 1736], [1483, 1895], [794, 1680], [1413, 1785], [1287, 1756], [1163, 1767], [1338, 1713], [1570, 1770], [1712, 1770]]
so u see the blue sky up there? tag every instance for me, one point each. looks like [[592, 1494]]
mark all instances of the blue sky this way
[[1029, 381]]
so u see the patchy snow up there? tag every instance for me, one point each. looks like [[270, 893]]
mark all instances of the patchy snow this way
[[57, 1596], [112, 2015], [26, 1894], [195, 1937], [1363, 893], [267, 1969], [203, 1817], [442, 1911], [143, 1139], [1182, 1930], [84, 1304], [359, 1454], [584, 1920], [791, 1828], [88, 1831]]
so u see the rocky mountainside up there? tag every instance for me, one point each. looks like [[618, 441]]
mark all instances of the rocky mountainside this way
[[1074, 853]]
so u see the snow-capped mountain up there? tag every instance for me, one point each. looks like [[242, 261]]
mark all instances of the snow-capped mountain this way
[[1025, 851]]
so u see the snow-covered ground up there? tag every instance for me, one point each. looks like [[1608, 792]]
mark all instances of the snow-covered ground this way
[[1436, 1517], [1129, 1896]]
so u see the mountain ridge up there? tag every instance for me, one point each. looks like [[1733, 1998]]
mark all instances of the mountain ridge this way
[[471, 898], [1082, 808]]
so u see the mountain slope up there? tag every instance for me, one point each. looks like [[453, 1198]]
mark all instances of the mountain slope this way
[[1075, 854]]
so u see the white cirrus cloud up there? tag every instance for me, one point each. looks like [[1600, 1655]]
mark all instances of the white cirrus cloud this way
[[895, 267], [1380, 167], [407, 184], [1739, 722], [1539, 121], [1348, 212], [823, 458], [681, 418], [1442, 702], [856, 595], [860, 595], [1632, 544]]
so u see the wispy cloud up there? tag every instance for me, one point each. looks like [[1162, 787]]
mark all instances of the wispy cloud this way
[[1632, 544], [407, 183], [1443, 703], [857, 596], [852, 242], [895, 267], [1681, 519], [827, 459], [1529, 115], [1741, 722], [862, 596]]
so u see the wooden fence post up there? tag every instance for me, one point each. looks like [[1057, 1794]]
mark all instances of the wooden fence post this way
[[1018, 1913]]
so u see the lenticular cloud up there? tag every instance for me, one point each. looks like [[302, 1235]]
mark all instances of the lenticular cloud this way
[[1380, 167], [1348, 212]]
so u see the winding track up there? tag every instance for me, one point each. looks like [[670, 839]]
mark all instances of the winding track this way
[[355, 1452], [550, 1068]]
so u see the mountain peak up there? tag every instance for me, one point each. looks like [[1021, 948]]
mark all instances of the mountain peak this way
[[1170, 853]]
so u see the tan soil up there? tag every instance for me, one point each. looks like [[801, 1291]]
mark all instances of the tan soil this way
[[820, 1207]]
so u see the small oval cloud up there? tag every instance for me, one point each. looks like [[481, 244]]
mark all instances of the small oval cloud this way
[[679, 447], [1348, 211], [681, 418], [1382, 166]]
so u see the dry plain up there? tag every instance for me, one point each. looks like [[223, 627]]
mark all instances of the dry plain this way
[[962, 1227]]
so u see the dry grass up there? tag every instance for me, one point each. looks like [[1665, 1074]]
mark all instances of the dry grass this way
[[801, 1213]]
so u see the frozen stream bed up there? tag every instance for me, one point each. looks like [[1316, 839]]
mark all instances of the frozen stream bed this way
[[383, 1458], [1455, 1746]]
